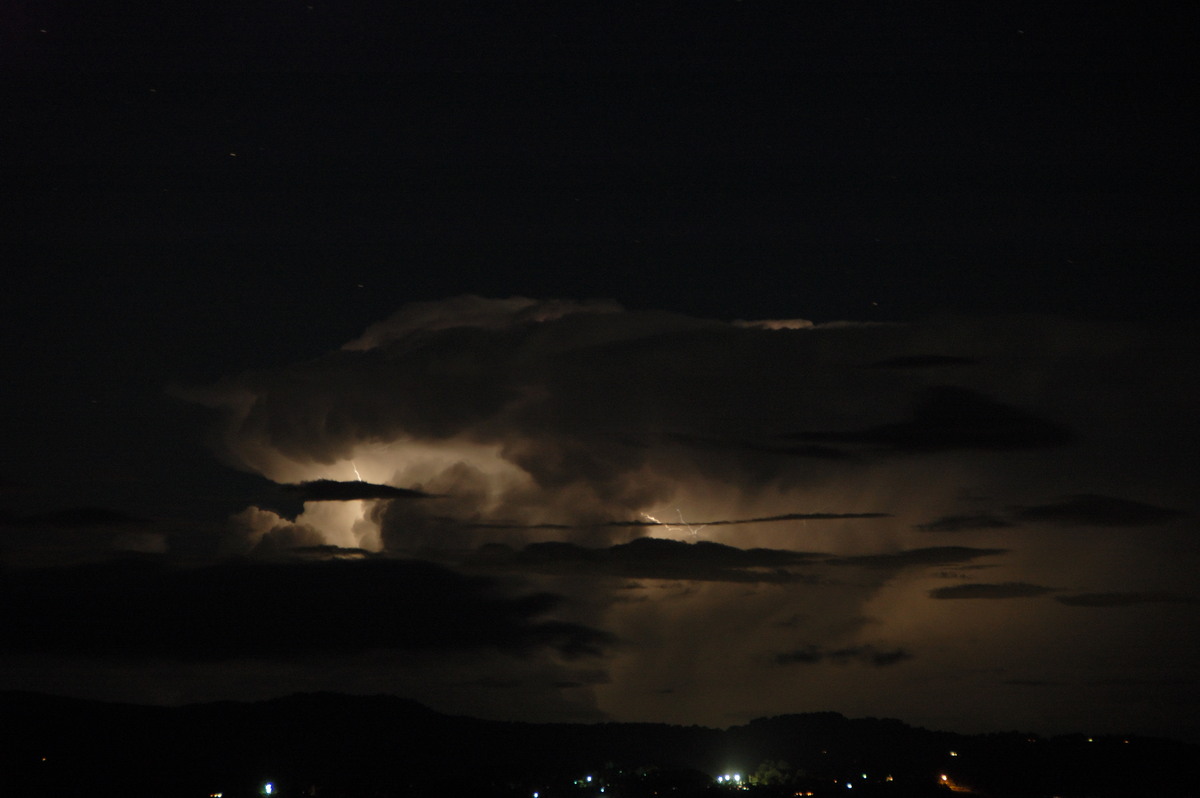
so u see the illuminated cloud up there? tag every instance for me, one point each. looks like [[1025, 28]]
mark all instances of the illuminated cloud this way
[[264, 533], [532, 444], [650, 522], [525, 414]]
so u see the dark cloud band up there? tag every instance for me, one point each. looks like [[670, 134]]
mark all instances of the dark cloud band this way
[[273, 609], [864, 655], [1005, 590]]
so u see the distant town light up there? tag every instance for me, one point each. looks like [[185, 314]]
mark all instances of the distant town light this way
[[268, 788], [589, 778]]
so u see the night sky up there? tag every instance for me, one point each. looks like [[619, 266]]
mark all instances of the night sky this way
[[671, 363]]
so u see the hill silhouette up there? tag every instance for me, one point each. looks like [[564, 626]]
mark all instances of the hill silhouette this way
[[341, 745]]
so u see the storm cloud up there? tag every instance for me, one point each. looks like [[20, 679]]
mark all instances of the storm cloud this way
[[701, 495], [537, 413], [542, 414]]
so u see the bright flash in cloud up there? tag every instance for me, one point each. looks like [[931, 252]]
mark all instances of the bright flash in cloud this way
[[558, 434], [692, 531]]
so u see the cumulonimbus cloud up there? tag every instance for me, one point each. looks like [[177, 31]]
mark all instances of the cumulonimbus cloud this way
[[565, 430], [554, 413], [529, 413]]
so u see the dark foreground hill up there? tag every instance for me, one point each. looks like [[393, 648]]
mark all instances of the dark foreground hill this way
[[337, 745]]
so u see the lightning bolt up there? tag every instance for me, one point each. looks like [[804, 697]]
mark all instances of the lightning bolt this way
[[352, 465], [693, 531]]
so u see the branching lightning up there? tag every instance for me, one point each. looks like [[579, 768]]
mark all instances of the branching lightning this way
[[692, 531]]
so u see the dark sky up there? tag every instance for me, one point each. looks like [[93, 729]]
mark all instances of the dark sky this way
[[913, 288]]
